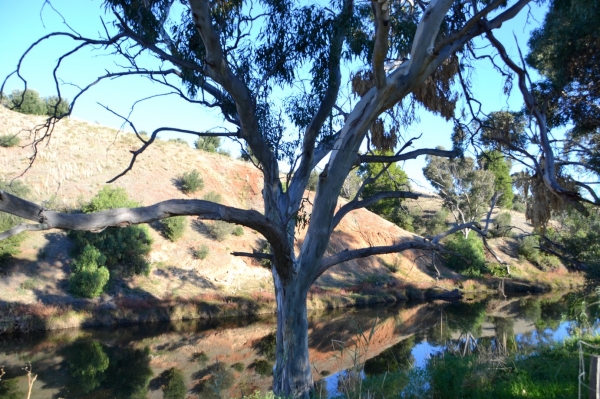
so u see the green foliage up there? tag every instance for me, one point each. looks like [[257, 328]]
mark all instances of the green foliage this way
[[213, 197], [465, 190], [266, 346], [564, 50], [495, 162], [174, 227], [87, 364], [53, 104], [125, 249], [262, 367], [109, 198], [190, 182], [579, 235], [11, 246], [208, 143], [174, 387], [392, 179], [313, 180], [31, 103], [529, 248], [437, 223], [501, 225], [9, 140], [9, 389], [202, 252], [89, 277], [238, 231], [239, 367], [178, 140], [472, 259], [219, 230]]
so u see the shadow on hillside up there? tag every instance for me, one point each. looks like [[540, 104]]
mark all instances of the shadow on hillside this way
[[184, 276]]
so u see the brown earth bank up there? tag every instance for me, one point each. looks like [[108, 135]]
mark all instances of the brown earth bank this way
[[82, 156]]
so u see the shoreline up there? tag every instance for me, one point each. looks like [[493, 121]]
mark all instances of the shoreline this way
[[25, 318]]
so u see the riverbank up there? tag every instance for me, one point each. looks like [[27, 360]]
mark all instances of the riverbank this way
[[110, 311]]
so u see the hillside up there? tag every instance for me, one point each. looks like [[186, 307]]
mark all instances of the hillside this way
[[82, 156]]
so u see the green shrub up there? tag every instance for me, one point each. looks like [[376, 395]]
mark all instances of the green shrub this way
[[497, 270], [262, 367], [32, 103], [550, 261], [238, 231], [501, 226], [178, 140], [239, 367], [529, 249], [174, 387], [190, 182], [219, 230], [202, 252], [174, 227], [208, 143], [9, 140], [472, 259], [12, 245], [89, 277], [213, 197], [126, 248]]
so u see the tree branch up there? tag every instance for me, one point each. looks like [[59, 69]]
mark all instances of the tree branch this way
[[409, 155], [357, 204]]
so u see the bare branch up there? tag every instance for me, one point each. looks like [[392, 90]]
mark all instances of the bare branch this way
[[409, 155]]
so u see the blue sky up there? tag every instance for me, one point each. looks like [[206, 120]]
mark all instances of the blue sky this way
[[23, 22]]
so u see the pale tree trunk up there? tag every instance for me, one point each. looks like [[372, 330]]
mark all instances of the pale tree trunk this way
[[292, 377]]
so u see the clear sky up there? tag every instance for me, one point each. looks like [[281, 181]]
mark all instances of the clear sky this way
[[24, 21]]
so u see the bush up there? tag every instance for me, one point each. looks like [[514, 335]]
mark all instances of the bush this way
[[262, 367], [190, 182], [174, 227], [472, 259], [529, 249], [89, 277], [202, 252], [125, 248], [12, 245], [9, 140], [501, 226], [174, 387], [213, 197], [178, 140], [31, 103], [238, 231], [208, 143], [219, 230], [239, 367]]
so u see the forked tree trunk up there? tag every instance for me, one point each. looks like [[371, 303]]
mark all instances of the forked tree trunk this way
[[292, 377]]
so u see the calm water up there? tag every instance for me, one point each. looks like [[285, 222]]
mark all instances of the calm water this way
[[229, 358]]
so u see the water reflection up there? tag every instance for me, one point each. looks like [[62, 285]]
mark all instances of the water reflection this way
[[231, 358]]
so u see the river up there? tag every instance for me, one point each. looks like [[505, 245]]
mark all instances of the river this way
[[229, 358]]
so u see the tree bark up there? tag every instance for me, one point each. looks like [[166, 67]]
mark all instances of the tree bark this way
[[292, 377]]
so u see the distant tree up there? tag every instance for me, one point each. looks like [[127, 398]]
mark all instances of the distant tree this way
[[466, 191], [27, 103], [32, 103], [208, 143], [495, 162], [379, 178]]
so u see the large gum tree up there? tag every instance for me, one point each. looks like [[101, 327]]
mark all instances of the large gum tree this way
[[277, 71]]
